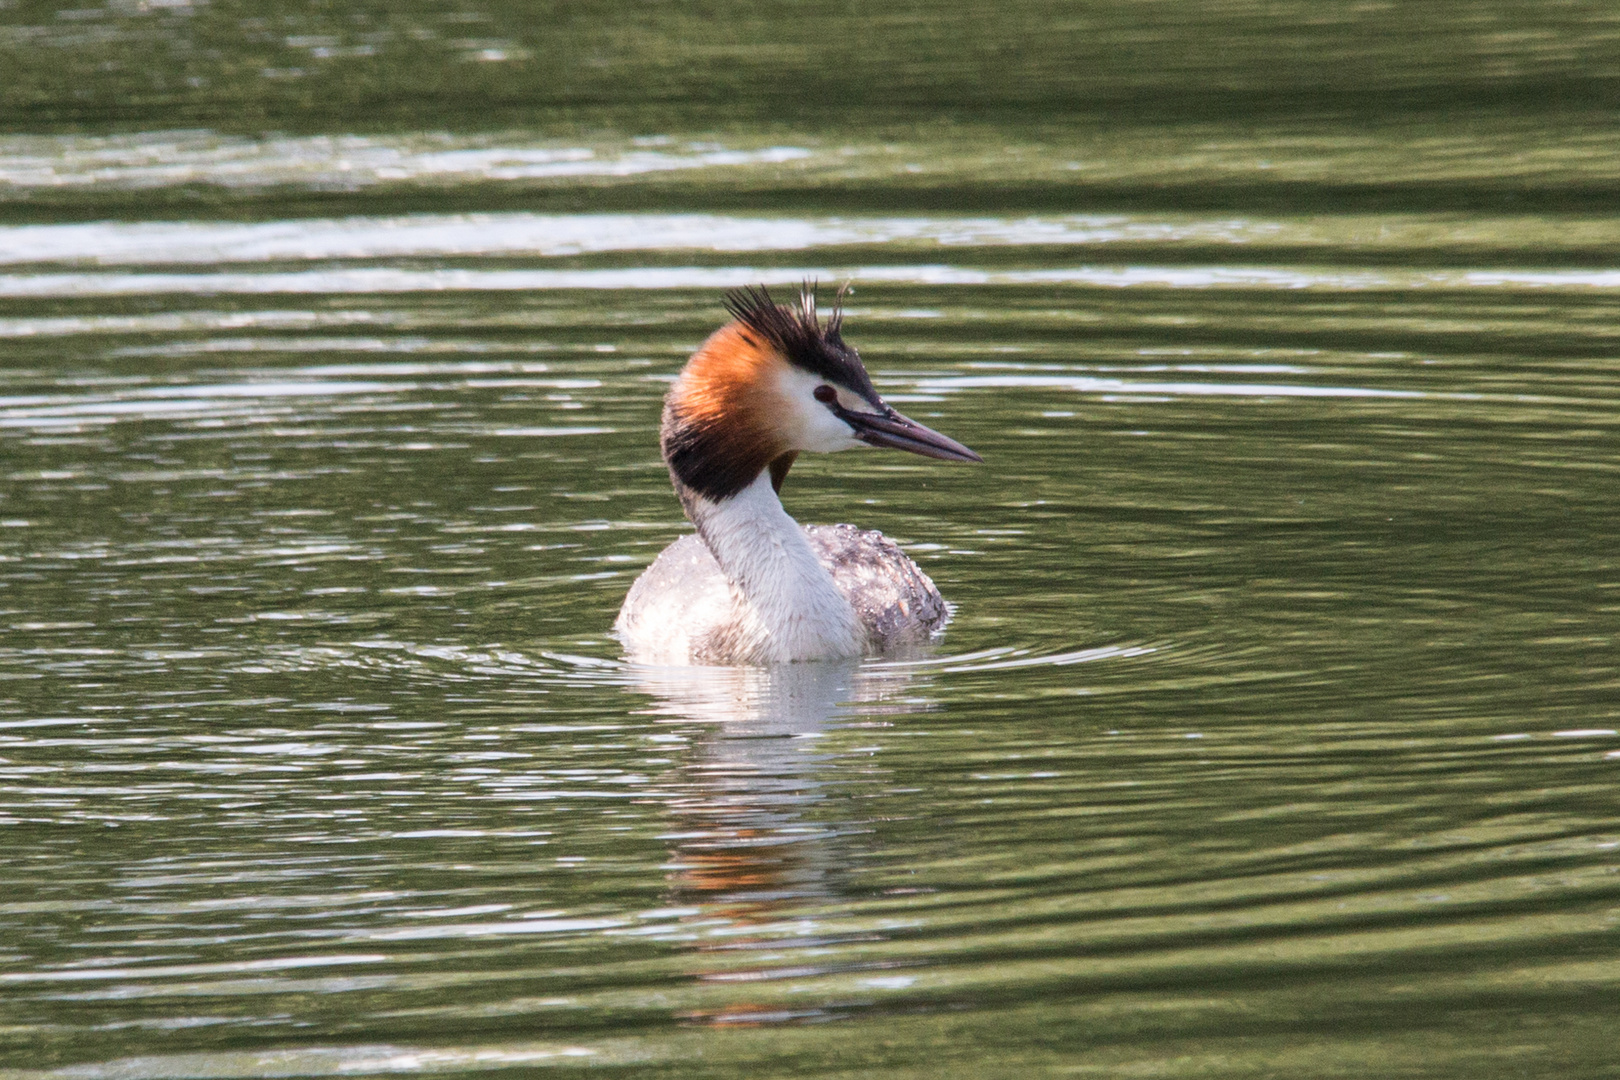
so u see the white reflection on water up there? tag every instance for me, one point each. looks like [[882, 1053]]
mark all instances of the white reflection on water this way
[[168, 401], [109, 243], [233, 967], [156, 243], [165, 159], [1088, 384], [168, 322], [362, 280], [316, 1061], [278, 399]]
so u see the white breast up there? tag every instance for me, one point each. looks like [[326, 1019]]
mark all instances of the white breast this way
[[754, 587]]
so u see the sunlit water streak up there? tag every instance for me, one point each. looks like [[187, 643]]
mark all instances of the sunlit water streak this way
[[200, 157], [390, 280], [489, 235], [117, 243]]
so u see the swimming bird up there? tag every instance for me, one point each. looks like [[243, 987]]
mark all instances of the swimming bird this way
[[752, 586]]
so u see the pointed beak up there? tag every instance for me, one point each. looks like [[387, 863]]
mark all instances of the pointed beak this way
[[889, 428]]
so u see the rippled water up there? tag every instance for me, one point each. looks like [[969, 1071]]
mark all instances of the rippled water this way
[[1275, 731]]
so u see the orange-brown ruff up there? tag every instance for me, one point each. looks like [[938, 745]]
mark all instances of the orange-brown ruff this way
[[752, 586], [726, 393]]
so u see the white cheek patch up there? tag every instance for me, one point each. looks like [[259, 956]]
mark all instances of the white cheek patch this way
[[809, 424]]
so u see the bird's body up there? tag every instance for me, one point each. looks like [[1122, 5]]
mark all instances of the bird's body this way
[[752, 586], [837, 591]]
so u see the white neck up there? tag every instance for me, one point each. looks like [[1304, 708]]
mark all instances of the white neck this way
[[789, 607]]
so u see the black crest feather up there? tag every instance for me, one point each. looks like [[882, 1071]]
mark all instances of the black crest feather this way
[[799, 335]]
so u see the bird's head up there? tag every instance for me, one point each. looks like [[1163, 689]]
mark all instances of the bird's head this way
[[771, 384]]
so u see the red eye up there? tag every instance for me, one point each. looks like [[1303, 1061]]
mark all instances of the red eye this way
[[826, 394]]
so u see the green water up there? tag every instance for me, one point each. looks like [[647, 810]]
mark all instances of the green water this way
[[1275, 732]]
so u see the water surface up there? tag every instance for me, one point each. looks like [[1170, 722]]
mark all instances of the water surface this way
[[1275, 731]]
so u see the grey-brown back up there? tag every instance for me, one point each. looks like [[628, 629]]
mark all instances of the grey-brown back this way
[[895, 601]]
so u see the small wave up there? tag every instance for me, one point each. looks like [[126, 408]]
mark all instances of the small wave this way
[[551, 235], [163, 159], [1009, 657], [382, 280]]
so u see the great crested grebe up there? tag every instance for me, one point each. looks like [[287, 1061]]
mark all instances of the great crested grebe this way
[[753, 586]]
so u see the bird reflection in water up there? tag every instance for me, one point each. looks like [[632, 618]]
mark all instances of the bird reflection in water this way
[[761, 833]]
